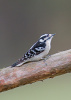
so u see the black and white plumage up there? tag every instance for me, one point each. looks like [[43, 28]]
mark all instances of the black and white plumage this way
[[38, 51]]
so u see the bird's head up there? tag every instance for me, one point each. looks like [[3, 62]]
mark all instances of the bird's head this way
[[46, 37]]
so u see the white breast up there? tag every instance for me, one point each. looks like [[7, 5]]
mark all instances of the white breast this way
[[43, 54]]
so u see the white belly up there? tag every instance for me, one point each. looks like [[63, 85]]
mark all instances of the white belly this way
[[41, 55]]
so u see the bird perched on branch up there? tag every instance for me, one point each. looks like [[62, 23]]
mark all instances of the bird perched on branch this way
[[38, 51]]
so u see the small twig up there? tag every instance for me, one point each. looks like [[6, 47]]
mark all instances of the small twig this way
[[57, 64]]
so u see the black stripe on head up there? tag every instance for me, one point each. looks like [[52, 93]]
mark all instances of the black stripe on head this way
[[44, 36]]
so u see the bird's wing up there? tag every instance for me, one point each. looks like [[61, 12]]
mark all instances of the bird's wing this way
[[36, 49]]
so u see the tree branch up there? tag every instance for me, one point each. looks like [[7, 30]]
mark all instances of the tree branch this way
[[57, 64]]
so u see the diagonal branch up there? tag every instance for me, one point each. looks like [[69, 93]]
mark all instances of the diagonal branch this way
[[57, 64]]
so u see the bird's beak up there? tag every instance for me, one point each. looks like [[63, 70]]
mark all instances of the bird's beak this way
[[50, 36], [53, 34]]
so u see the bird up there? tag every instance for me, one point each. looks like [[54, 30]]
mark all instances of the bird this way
[[37, 52]]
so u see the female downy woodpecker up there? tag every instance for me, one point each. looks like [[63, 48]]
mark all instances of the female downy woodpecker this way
[[38, 51]]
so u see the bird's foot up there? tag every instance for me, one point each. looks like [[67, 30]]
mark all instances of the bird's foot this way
[[44, 59]]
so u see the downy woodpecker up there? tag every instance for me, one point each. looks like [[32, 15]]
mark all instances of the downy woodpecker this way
[[38, 51]]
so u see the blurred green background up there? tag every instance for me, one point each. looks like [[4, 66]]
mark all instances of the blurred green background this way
[[22, 22]]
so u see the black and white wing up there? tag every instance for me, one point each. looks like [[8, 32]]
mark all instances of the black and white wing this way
[[36, 49]]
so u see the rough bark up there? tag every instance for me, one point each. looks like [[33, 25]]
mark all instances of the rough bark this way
[[57, 64]]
